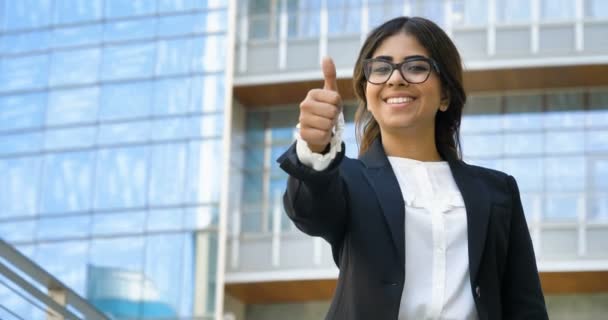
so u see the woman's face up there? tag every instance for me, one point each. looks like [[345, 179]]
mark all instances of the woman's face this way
[[397, 105]]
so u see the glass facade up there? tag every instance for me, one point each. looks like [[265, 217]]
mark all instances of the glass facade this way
[[554, 143], [111, 140]]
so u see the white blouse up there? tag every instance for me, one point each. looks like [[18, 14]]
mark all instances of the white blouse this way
[[437, 280]]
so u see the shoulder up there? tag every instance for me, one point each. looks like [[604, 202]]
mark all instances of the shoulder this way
[[492, 177]]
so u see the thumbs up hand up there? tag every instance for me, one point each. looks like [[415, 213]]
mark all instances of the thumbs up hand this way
[[320, 109]]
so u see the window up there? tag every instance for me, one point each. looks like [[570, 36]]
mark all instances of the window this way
[[120, 8], [72, 106], [128, 61], [469, 12], [596, 9], [29, 72], [552, 10], [74, 67], [71, 11], [125, 100], [513, 11]]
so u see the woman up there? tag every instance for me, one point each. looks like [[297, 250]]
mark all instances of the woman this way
[[416, 232]]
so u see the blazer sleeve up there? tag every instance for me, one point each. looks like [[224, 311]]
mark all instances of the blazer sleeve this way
[[315, 200], [521, 289]]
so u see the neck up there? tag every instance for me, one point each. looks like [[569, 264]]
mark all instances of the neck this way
[[412, 144]]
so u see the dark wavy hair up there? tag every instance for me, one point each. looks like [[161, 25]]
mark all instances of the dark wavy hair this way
[[444, 52]]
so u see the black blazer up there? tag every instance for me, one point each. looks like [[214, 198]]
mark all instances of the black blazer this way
[[357, 206]]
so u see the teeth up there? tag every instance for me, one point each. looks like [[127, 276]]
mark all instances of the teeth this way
[[399, 100]]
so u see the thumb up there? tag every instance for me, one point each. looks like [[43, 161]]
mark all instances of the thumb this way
[[329, 74]]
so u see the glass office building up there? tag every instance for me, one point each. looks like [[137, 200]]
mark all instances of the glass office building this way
[[138, 142], [112, 117]]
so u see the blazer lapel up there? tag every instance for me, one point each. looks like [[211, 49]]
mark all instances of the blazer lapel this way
[[477, 204], [381, 177]]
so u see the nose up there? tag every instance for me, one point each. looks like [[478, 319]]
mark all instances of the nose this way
[[396, 79]]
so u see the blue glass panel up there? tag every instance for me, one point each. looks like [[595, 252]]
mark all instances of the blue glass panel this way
[[125, 100], [513, 11], [598, 209], [115, 267], [23, 111], [129, 61], [380, 13], [560, 207], [597, 118], [255, 123], [527, 171], [20, 143], [596, 8], [557, 9], [121, 178], [204, 171], [26, 14], [73, 106], [564, 141], [170, 57], [129, 132], [200, 218], [304, 24], [171, 96], [469, 12], [181, 5], [165, 270], [130, 30], [565, 174], [70, 138], [523, 143], [165, 220], [523, 120], [208, 126], [482, 145], [67, 261], [24, 42], [170, 129], [565, 119], [207, 93], [176, 25], [344, 21], [70, 11], [210, 21], [24, 73], [481, 123], [599, 174], [18, 231], [120, 8], [19, 189], [110, 224], [209, 54], [56, 228], [74, 67], [596, 140], [77, 36], [167, 174], [67, 181]]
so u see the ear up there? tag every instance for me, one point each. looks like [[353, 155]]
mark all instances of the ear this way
[[445, 101]]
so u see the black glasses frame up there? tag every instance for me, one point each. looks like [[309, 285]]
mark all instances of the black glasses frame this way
[[398, 66]]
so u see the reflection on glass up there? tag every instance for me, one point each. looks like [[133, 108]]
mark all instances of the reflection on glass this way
[[165, 220], [599, 174], [565, 173], [18, 231], [167, 174], [77, 36], [121, 223], [130, 30], [171, 96], [204, 171], [523, 143], [598, 207], [20, 143], [527, 171], [128, 61], [24, 72], [18, 174], [70, 11], [564, 141], [66, 261], [26, 14], [55, 228], [469, 12], [483, 145], [170, 57], [121, 177], [344, 21], [596, 8], [207, 93], [120, 8], [208, 54], [24, 41], [74, 67], [70, 138], [67, 181], [72, 106], [129, 132], [125, 100]]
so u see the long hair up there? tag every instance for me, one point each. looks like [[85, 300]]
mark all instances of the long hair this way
[[444, 52]]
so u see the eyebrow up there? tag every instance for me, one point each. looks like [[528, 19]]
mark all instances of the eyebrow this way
[[389, 58]]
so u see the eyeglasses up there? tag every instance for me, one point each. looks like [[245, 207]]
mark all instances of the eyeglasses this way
[[413, 70]]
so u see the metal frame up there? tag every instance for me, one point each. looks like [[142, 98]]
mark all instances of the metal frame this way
[[43, 278]]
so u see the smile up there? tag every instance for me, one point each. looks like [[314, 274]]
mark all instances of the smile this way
[[399, 100]]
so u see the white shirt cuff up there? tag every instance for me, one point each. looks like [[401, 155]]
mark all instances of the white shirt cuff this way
[[317, 161]]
